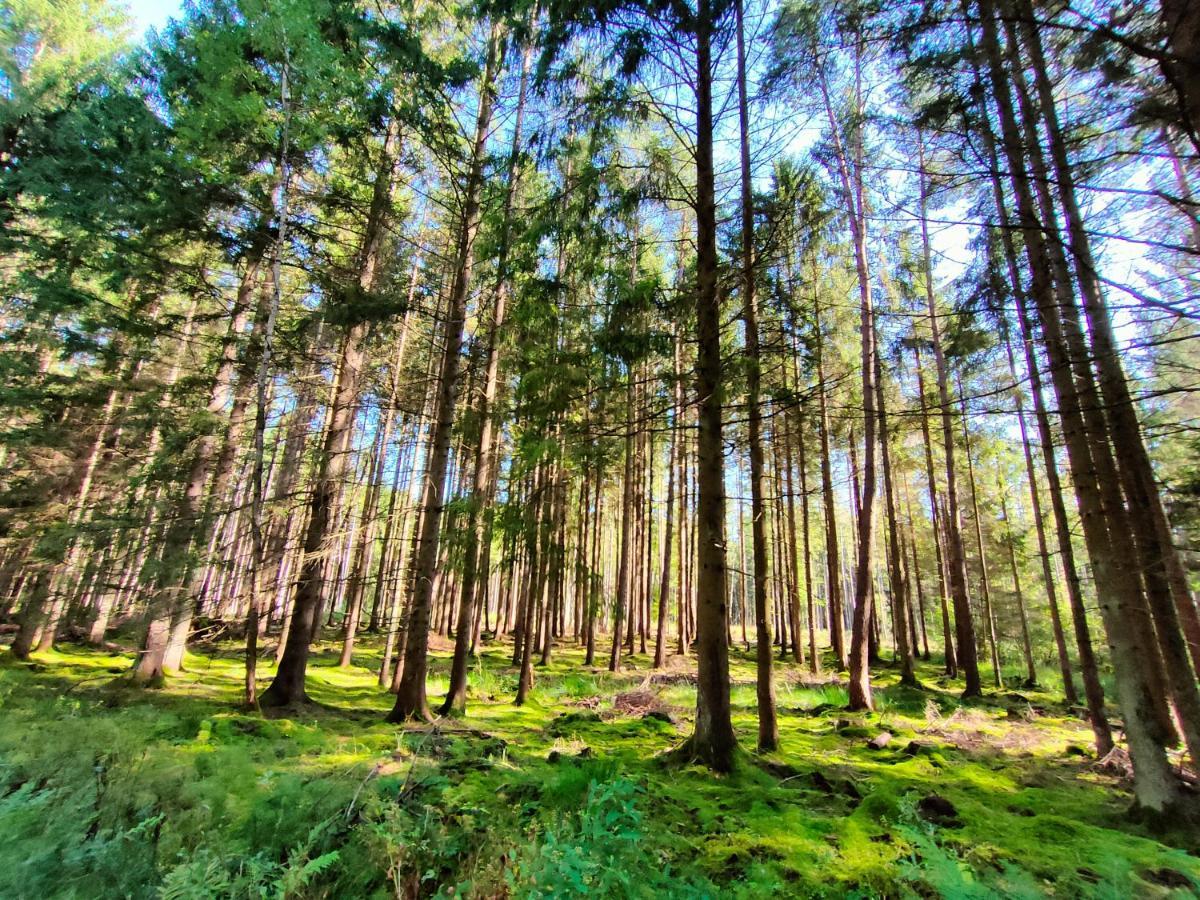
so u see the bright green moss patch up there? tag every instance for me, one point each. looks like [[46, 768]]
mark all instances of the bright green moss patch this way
[[111, 790]]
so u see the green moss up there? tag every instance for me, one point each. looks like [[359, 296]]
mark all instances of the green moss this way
[[177, 786]]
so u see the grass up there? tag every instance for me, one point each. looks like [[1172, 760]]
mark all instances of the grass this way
[[108, 790]]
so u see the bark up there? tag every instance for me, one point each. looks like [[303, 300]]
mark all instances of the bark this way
[[713, 740], [768, 728]]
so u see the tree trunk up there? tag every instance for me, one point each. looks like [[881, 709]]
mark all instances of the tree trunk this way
[[713, 740], [814, 659], [664, 587], [985, 586], [1154, 783], [171, 607], [768, 728], [1089, 670], [478, 523], [850, 174], [1127, 541], [410, 697], [1166, 579], [935, 514], [288, 686], [900, 630], [628, 511], [956, 563], [833, 582]]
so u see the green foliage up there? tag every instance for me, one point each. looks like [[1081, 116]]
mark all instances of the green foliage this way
[[46, 48], [601, 852], [207, 876], [56, 844]]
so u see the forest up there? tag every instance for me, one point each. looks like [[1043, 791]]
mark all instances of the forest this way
[[639, 448]]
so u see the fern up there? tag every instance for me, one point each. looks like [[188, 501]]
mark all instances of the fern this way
[[601, 852]]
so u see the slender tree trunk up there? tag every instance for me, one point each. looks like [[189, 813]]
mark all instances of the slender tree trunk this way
[[664, 586], [259, 546], [935, 513], [595, 576], [685, 532], [1026, 643], [1166, 579], [833, 583], [793, 597], [410, 697], [648, 553], [171, 605], [850, 173], [628, 507], [768, 728], [1048, 581], [713, 740], [1089, 670], [916, 571], [814, 659], [1126, 545], [537, 568], [360, 556], [904, 648], [985, 585], [965, 657], [479, 520]]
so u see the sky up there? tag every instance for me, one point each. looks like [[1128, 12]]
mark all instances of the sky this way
[[152, 13]]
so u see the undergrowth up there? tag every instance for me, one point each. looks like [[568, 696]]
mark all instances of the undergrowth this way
[[108, 791]]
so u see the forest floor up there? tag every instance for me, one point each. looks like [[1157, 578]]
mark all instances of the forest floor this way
[[111, 790]]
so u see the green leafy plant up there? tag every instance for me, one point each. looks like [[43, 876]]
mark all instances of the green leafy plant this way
[[601, 852]]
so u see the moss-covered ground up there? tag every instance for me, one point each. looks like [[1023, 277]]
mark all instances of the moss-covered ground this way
[[109, 790]]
